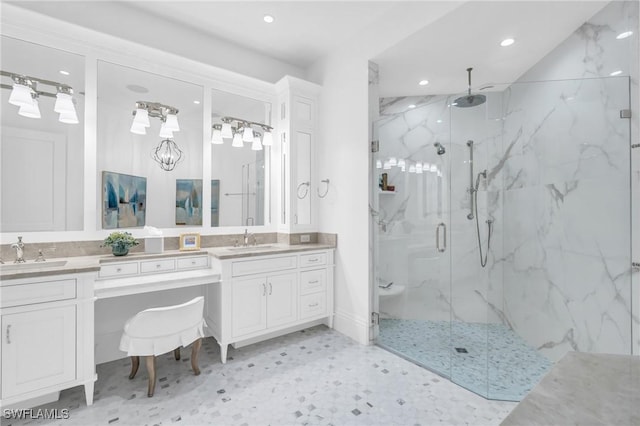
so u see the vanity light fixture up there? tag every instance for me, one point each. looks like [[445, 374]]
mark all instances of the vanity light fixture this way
[[25, 95], [401, 163], [216, 135], [412, 168], [419, 167], [393, 161], [241, 131], [167, 115]]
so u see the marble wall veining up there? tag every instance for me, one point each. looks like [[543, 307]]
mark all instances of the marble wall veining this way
[[558, 189]]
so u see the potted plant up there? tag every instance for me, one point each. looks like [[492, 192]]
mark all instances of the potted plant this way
[[120, 243]]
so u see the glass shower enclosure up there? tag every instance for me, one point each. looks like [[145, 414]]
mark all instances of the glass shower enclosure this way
[[537, 178]]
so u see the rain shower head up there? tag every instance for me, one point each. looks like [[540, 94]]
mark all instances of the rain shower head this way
[[440, 148], [469, 100]]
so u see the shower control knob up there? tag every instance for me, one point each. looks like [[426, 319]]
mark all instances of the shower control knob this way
[[635, 266]]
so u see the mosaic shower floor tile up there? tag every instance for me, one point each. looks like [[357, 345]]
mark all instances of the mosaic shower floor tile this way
[[488, 359], [313, 377]]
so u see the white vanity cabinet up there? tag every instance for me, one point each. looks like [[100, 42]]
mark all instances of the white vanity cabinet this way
[[268, 295], [47, 337]]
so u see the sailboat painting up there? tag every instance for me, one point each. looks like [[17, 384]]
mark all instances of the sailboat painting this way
[[124, 199], [188, 201]]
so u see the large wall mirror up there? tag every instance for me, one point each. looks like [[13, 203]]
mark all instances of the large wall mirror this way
[[42, 143], [149, 167], [240, 169]]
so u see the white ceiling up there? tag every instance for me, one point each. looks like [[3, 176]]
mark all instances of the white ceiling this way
[[306, 31]]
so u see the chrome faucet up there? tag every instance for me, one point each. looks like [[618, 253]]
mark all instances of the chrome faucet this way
[[248, 235], [19, 246]]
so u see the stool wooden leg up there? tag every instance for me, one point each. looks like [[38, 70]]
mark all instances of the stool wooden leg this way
[[195, 349], [151, 370], [135, 363], [176, 353]]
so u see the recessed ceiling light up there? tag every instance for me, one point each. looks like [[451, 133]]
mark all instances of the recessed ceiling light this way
[[268, 19], [438, 121], [412, 106], [624, 35], [423, 82], [137, 89], [618, 72], [196, 102], [507, 42], [63, 72]]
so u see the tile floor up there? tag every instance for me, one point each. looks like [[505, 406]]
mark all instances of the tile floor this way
[[313, 377], [497, 363]]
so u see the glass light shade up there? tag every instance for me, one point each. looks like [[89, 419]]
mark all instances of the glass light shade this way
[[69, 118], [378, 164], [418, 167], [401, 163], [64, 103], [403, 168], [386, 165], [164, 131], [247, 134], [30, 111], [142, 117], [433, 168], [256, 145], [426, 167], [267, 139], [227, 133], [237, 140], [216, 137], [138, 128], [412, 168], [171, 123], [20, 95], [393, 161]]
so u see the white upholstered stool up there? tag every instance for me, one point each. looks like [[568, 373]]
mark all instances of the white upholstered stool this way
[[157, 331]]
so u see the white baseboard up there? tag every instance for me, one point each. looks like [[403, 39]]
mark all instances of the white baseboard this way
[[352, 326]]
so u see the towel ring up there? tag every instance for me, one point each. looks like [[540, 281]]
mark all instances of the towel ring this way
[[305, 186], [326, 190]]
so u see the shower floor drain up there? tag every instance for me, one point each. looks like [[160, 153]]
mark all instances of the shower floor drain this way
[[462, 350]]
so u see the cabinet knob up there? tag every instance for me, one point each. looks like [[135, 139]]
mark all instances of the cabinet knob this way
[[158, 266], [119, 270], [313, 305], [313, 282], [315, 259], [193, 262]]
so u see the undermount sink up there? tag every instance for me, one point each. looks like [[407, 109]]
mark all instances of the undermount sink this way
[[31, 265], [250, 248]]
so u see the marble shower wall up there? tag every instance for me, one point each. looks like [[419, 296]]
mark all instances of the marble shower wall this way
[[558, 189], [566, 177]]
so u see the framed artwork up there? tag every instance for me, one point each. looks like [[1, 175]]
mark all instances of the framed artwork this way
[[215, 202], [124, 199], [188, 201], [189, 241]]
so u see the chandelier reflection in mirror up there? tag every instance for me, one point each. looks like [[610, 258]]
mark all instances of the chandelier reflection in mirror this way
[[167, 154], [242, 131], [25, 95]]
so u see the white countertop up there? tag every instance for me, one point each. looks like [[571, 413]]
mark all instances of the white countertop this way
[[82, 264]]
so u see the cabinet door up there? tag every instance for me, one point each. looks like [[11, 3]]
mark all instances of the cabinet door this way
[[281, 299], [249, 305], [38, 349]]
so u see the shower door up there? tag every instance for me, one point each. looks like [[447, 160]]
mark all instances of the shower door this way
[[410, 211]]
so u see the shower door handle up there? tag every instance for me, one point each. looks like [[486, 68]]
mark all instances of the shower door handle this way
[[444, 240]]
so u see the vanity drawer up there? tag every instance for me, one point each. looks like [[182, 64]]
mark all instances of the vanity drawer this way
[[247, 267], [118, 269], [158, 265], [313, 259], [29, 294], [312, 305], [193, 262], [313, 281]]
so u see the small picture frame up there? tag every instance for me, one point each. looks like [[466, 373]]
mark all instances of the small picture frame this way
[[190, 241]]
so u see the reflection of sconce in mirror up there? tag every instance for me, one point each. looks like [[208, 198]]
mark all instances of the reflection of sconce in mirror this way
[[167, 115], [24, 94], [304, 186], [326, 191], [242, 132], [167, 154]]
